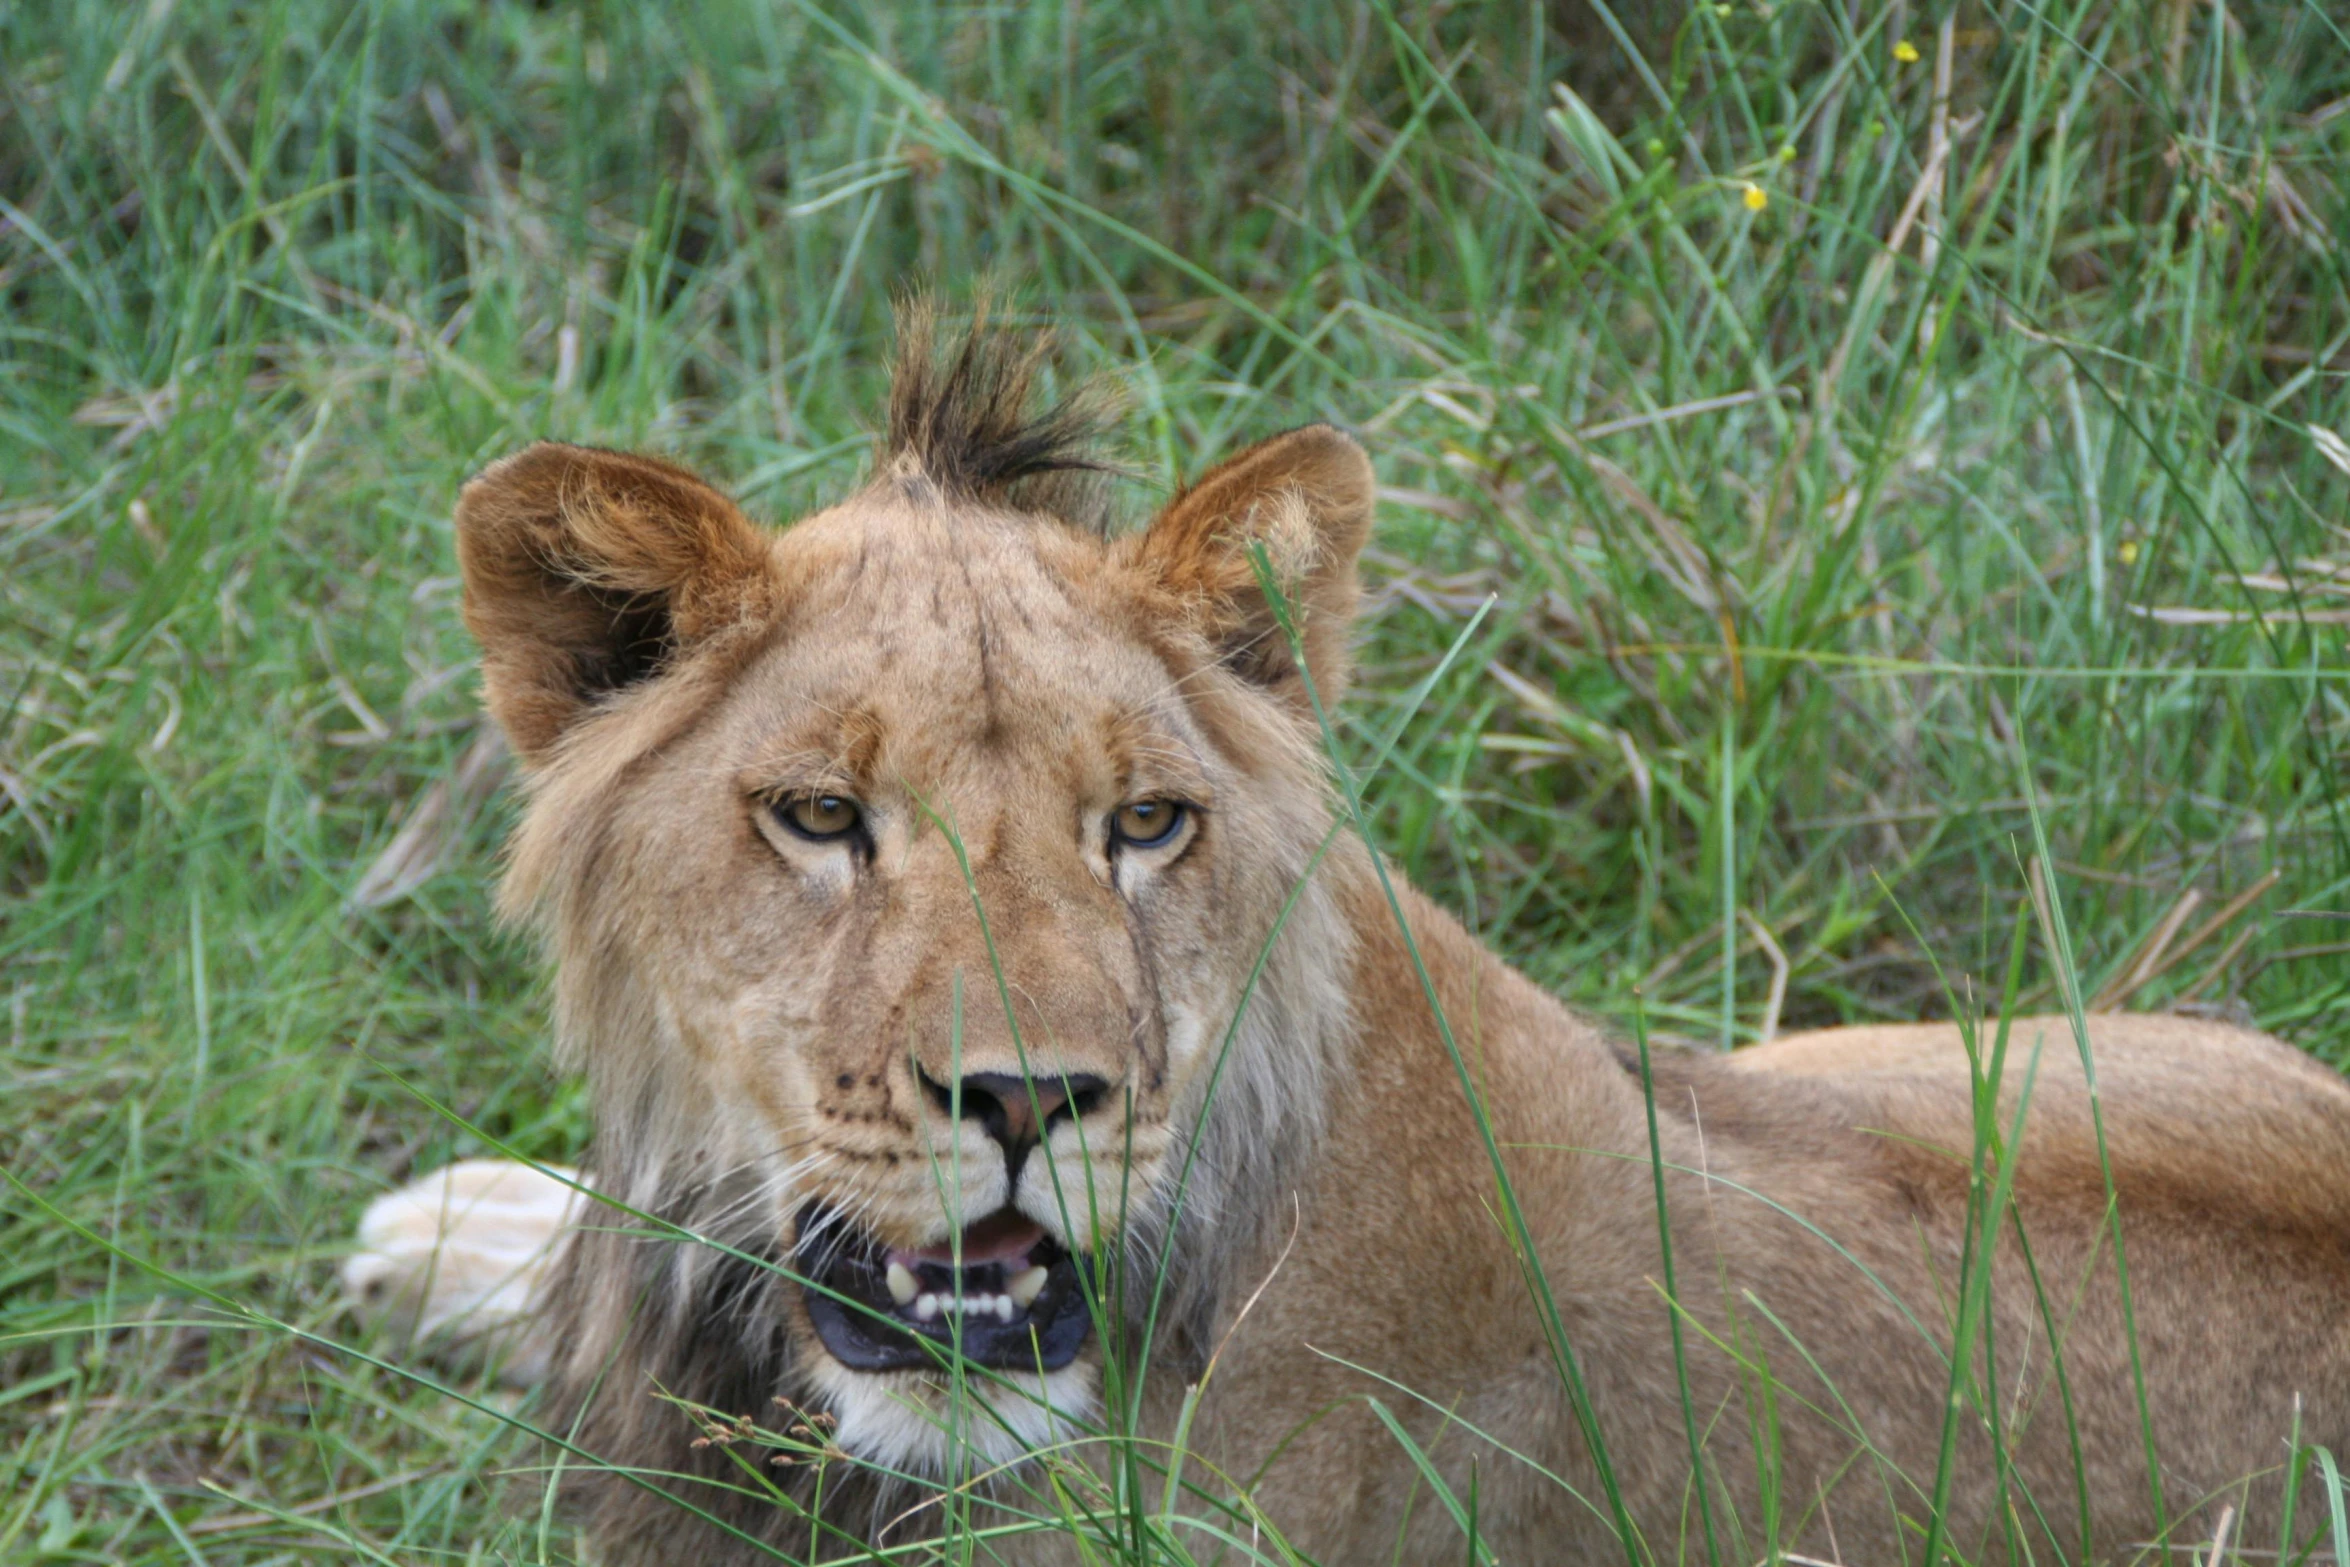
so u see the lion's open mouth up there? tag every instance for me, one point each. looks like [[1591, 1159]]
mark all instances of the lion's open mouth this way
[[1014, 1304]]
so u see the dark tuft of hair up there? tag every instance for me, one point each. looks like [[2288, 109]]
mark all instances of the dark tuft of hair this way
[[959, 418]]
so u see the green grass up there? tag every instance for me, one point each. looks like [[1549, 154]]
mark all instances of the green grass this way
[[1814, 563]]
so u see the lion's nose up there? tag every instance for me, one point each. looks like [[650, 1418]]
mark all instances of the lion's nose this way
[[1017, 1111]]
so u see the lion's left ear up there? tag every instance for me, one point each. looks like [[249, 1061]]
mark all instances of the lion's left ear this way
[[587, 571], [1305, 496]]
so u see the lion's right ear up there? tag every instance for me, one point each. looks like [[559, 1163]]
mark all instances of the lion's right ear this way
[[587, 570], [1300, 501]]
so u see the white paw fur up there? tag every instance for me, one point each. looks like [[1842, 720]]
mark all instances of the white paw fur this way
[[453, 1263]]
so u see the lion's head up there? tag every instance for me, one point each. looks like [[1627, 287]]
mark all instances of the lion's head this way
[[913, 873]]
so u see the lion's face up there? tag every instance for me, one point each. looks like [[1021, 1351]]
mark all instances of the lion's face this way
[[952, 891], [907, 869]]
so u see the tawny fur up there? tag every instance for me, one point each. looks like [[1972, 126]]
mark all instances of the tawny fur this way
[[991, 682]]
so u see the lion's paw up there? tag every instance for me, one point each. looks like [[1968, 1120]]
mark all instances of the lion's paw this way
[[454, 1262]]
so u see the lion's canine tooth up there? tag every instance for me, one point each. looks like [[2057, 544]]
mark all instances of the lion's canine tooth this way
[[1003, 1308], [1027, 1285], [926, 1307], [903, 1286]]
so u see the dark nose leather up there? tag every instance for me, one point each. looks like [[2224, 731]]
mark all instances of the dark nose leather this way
[[1017, 1111]]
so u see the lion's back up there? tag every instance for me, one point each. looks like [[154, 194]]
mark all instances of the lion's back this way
[[2225, 1153], [2203, 1121]]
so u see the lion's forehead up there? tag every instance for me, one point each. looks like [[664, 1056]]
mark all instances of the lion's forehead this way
[[915, 647], [918, 570]]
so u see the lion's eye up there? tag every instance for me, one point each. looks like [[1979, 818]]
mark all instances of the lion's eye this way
[[820, 817], [1146, 824]]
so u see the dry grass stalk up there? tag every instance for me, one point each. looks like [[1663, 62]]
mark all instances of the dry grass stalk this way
[[436, 821]]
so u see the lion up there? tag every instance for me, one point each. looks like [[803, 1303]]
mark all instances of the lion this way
[[1009, 1061]]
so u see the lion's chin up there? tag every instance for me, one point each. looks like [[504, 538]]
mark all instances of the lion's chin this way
[[890, 1322], [914, 1423]]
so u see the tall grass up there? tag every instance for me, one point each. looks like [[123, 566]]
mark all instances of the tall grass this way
[[1889, 437]]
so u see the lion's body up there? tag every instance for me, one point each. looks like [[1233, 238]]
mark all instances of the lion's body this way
[[1824, 1239], [774, 1020]]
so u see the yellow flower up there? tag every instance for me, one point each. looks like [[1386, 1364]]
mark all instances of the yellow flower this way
[[1756, 197], [1906, 52], [2128, 552]]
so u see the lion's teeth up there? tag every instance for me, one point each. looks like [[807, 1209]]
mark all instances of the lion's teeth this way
[[1026, 1286], [1003, 1308], [927, 1307], [903, 1286]]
